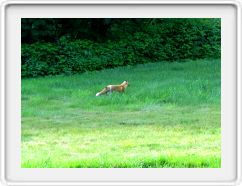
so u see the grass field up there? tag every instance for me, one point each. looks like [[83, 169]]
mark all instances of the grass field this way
[[169, 116]]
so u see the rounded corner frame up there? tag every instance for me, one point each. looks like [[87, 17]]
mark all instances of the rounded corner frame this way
[[236, 3]]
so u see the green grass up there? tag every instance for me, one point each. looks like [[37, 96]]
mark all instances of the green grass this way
[[169, 116]]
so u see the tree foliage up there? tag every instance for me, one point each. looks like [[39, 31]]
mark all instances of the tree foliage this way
[[67, 46]]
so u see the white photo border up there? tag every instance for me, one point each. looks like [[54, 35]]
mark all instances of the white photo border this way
[[235, 3]]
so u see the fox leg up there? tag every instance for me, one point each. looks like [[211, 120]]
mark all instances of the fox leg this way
[[103, 91]]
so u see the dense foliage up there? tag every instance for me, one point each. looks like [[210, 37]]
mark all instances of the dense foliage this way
[[67, 46]]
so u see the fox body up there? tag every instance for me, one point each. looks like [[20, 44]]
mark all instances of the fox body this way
[[111, 88]]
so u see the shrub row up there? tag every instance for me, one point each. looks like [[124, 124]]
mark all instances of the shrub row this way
[[173, 42]]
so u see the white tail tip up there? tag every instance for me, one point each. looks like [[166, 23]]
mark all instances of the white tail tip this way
[[97, 94]]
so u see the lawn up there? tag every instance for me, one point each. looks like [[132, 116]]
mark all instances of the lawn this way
[[169, 116]]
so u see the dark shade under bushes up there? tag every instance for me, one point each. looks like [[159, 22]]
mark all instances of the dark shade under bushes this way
[[126, 42]]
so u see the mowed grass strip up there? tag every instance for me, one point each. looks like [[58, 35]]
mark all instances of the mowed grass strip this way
[[169, 116]]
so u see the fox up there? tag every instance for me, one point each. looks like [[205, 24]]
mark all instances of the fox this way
[[111, 88]]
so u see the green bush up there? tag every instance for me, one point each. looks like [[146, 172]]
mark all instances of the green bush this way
[[159, 40]]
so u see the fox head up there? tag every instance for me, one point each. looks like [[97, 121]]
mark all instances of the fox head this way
[[125, 84]]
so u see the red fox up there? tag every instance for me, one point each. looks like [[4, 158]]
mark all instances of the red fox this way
[[111, 88]]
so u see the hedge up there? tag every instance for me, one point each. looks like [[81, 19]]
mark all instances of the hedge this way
[[172, 42]]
